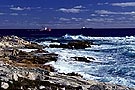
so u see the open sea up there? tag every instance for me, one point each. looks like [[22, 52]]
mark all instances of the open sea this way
[[114, 56]]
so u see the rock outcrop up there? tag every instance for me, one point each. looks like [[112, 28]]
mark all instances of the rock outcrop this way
[[73, 45], [12, 42]]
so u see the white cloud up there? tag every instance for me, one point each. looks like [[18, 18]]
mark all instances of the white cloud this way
[[64, 19], [75, 9], [2, 13], [100, 20], [14, 14], [17, 8], [110, 12], [103, 3], [80, 6], [126, 4], [93, 15], [72, 10], [20, 8], [76, 19]]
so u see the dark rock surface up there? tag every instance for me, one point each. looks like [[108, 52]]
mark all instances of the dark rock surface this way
[[34, 46], [73, 45], [83, 59]]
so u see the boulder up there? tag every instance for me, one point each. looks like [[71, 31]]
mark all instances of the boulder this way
[[73, 45], [79, 44], [4, 85], [83, 59]]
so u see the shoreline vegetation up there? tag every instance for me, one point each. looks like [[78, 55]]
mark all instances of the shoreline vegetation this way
[[21, 70]]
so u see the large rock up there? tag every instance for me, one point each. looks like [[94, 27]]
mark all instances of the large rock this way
[[73, 45], [83, 59], [79, 44], [4, 85]]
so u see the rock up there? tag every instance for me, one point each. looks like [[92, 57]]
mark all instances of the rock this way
[[12, 41], [39, 51], [59, 46], [84, 59], [95, 87], [48, 67], [42, 87], [33, 46], [36, 79], [34, 58], [74, 74], [32, 76], [15, 77], [4, 85], [79, 44], [73, 45]]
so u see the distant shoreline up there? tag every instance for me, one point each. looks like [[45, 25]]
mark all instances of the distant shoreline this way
[[95, 32]]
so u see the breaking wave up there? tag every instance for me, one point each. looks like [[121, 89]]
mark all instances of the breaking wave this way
[[114, 59]]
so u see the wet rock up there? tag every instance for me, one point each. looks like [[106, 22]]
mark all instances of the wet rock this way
[[34, 46], [15, 77], [4, 85], [95, 87], [74, 74], [59, 46], [79, 44], [48, 67], [73, 45], [83, 59], [34, 58], [42, 87]]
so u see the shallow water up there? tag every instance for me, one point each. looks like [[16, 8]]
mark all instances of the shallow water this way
[[114, 58]]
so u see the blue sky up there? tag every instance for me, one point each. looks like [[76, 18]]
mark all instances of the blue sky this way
[[67, 13]]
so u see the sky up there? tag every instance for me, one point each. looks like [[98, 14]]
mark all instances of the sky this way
[[67, 13]]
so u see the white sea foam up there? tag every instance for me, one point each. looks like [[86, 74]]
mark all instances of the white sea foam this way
[[47, 43]]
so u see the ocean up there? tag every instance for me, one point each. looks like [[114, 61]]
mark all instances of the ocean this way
[[114, 56]]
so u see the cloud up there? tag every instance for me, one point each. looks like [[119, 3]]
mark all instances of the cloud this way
[[72, 10], [20, 8], [64, 19], [126, 4], [115, 13], [80, 6], [100, 20], [75, 9], [17, 8], [2, 13], [14, 14], [103, 3], [76, 19]]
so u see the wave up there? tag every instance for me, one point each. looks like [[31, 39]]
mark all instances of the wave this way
[[103, 40], [114, 58]]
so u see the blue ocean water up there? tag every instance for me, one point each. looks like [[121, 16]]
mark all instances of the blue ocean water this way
[[114, 58]]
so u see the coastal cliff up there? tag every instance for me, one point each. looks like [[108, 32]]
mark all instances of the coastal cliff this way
[[22, 67]]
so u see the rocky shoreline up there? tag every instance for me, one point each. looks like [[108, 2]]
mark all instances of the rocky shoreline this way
[[21, 70]]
